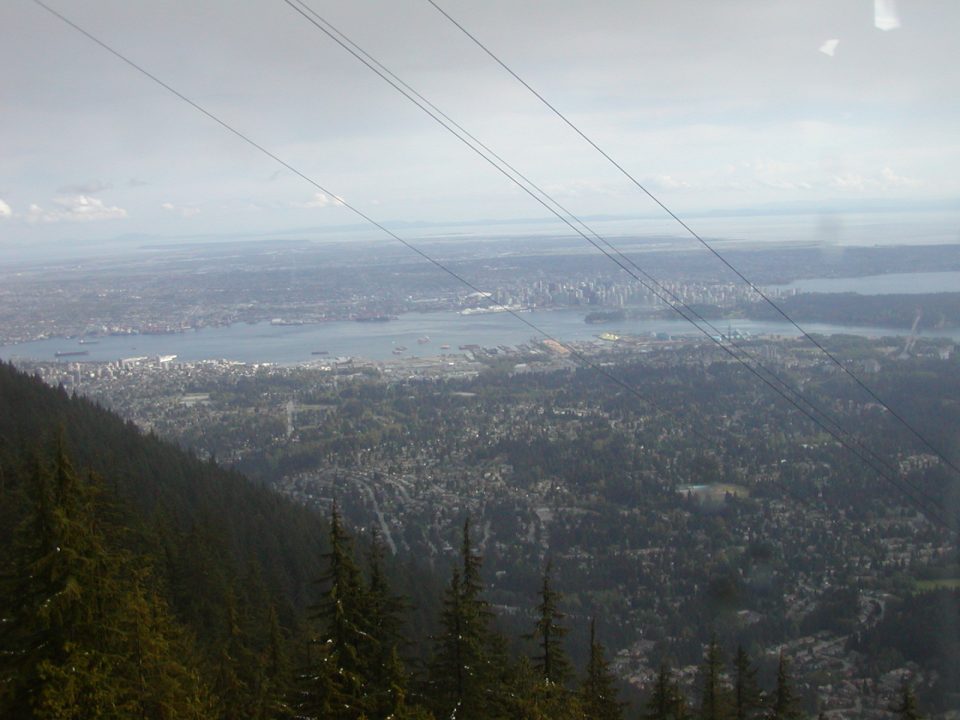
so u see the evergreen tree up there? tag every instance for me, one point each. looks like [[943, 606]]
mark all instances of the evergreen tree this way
[[236, 682], [86, 637], [747, 696], [907, 707], [667, 701], [471, 563], [161, 666], [199, 584], [227, 684], [54, 620], [275, 672], [598, 695], [388, 679], [260, 652], [322, 694], [454, 650], [530, 698], [468, 671], [714, 695], [551, 662], [784, 701], [336, 682]]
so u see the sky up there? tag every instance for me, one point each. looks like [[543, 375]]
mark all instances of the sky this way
[[712, 105]]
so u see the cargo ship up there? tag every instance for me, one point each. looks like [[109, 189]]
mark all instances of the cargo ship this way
[[71, 353]]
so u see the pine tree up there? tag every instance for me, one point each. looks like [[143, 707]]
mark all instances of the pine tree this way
[[275, 670], [530, 698], [388, 679], [471, 563], [658, 704], [199, 583], [907, 708], [714, 695], [551, 662], [335, 684], [162, 664], [468, 670], [323, 694], [454, 650], [667, 701], [86, 635], [237, 668], [253, 646], [598, 695], [747, 697], [61, 587], [784, 701]]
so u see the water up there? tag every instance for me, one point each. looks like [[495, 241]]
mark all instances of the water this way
[[291, 344], [888, 284]]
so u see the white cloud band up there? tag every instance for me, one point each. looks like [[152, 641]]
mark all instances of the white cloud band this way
[[75, 208]]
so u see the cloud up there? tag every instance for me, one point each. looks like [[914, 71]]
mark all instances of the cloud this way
[[829, 47], [320, 200], [186, 211], [875, 103], [580, 188], [668, 182], [890, 179], [5, 210], [779, 184], [91, 187], [83, 207], [886, 179], [75, 208], [849, 181], [772, 174]]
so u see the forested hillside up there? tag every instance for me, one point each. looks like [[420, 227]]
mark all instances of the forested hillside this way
[[139, 581]]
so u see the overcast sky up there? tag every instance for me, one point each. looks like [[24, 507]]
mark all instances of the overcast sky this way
[[713, 104]]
